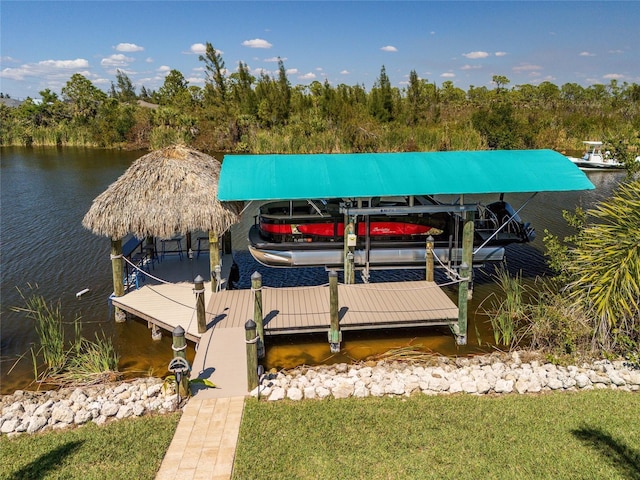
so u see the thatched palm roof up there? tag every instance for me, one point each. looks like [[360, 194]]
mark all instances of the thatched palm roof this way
[[168, 191]]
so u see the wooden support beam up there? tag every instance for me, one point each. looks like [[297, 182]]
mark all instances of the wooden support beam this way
[[335, 336], [429, 257], [117, 270], [198, 289], [466, 272], [214, 259], [256, 287], [251, 340], [349, 249]]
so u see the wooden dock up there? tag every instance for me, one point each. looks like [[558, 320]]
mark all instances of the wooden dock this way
[[221, 354]]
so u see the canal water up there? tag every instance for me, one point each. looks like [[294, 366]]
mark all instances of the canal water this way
[[45, 193]]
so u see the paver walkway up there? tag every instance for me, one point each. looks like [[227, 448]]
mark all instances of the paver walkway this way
[[204, 444]]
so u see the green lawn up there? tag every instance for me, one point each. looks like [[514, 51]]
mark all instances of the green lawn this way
[[584, 435], [130, 449]]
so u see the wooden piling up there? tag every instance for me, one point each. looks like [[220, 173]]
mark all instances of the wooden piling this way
[[251, 340], [349, 248], [256, 287], [117, 269], [466, 271], [335, 335], [198, 289], [214, 259], [179, 347], [429, 257]]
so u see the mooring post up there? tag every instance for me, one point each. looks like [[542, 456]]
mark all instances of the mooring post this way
[[198, 289], [429, 255], [179, 347], [350, 240], [251, 339], [335, 335], [256, 287], [117, 271], [214, 259], [466, 271]]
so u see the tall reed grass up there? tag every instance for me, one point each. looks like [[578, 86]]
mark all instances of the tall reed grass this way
[[56, 359]]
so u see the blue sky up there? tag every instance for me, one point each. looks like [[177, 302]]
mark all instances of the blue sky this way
[[44, 43]]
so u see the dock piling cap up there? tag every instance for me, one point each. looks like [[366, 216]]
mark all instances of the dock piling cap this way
[[178, 331], [198, 279], [250, 325]]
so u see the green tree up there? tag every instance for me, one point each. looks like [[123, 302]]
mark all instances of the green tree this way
[[174, 91], [83, 97], [123, 90], [215, 90], [381, 98], [500, 81], [242, 90]]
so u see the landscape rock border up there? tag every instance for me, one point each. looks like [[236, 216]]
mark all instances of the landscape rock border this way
[[480, 375], [35, 411]]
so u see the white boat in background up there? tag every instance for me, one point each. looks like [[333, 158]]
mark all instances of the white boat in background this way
[[595, 159]]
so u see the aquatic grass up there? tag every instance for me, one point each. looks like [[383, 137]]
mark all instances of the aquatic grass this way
[[508, 314], [75, 361]]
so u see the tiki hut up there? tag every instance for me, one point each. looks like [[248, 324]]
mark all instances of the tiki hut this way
[[166, 192]]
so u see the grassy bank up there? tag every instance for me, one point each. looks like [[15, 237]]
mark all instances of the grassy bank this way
[[586, 435], [127, 449]]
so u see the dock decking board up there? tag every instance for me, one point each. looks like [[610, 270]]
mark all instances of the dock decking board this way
[[221, 351]]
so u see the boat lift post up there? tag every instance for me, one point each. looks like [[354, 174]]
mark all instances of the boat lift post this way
[[350, 240], [465, 287]]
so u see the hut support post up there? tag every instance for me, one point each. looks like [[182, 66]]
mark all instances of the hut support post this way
[[429, 255], [117, 270], [198, 289], [349, 248], [256, 286], [179, 347], [251, 340], [214, 259], [335, 335], [466, 271]]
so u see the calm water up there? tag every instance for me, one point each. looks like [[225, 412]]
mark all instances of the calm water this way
[[45, 193]]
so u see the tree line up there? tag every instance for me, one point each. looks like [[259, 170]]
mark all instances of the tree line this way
[[241, 112]]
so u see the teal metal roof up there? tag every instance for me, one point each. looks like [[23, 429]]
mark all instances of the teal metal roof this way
[[290, 177]]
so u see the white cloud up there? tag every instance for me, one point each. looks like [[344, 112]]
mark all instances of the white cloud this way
[[149, 60], [389, 48], [164, 69], [307, 76], [6, 59], [345, 72], [616, 51], [198, 48], [587, 54], [613, 76], [47, 69], [292, 71], [274, 59], [256, 43], [448, 75], [117, 60], [128, 47], [500, 54], [470, 67], [526, 67], [195, 80], [475, 55]]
